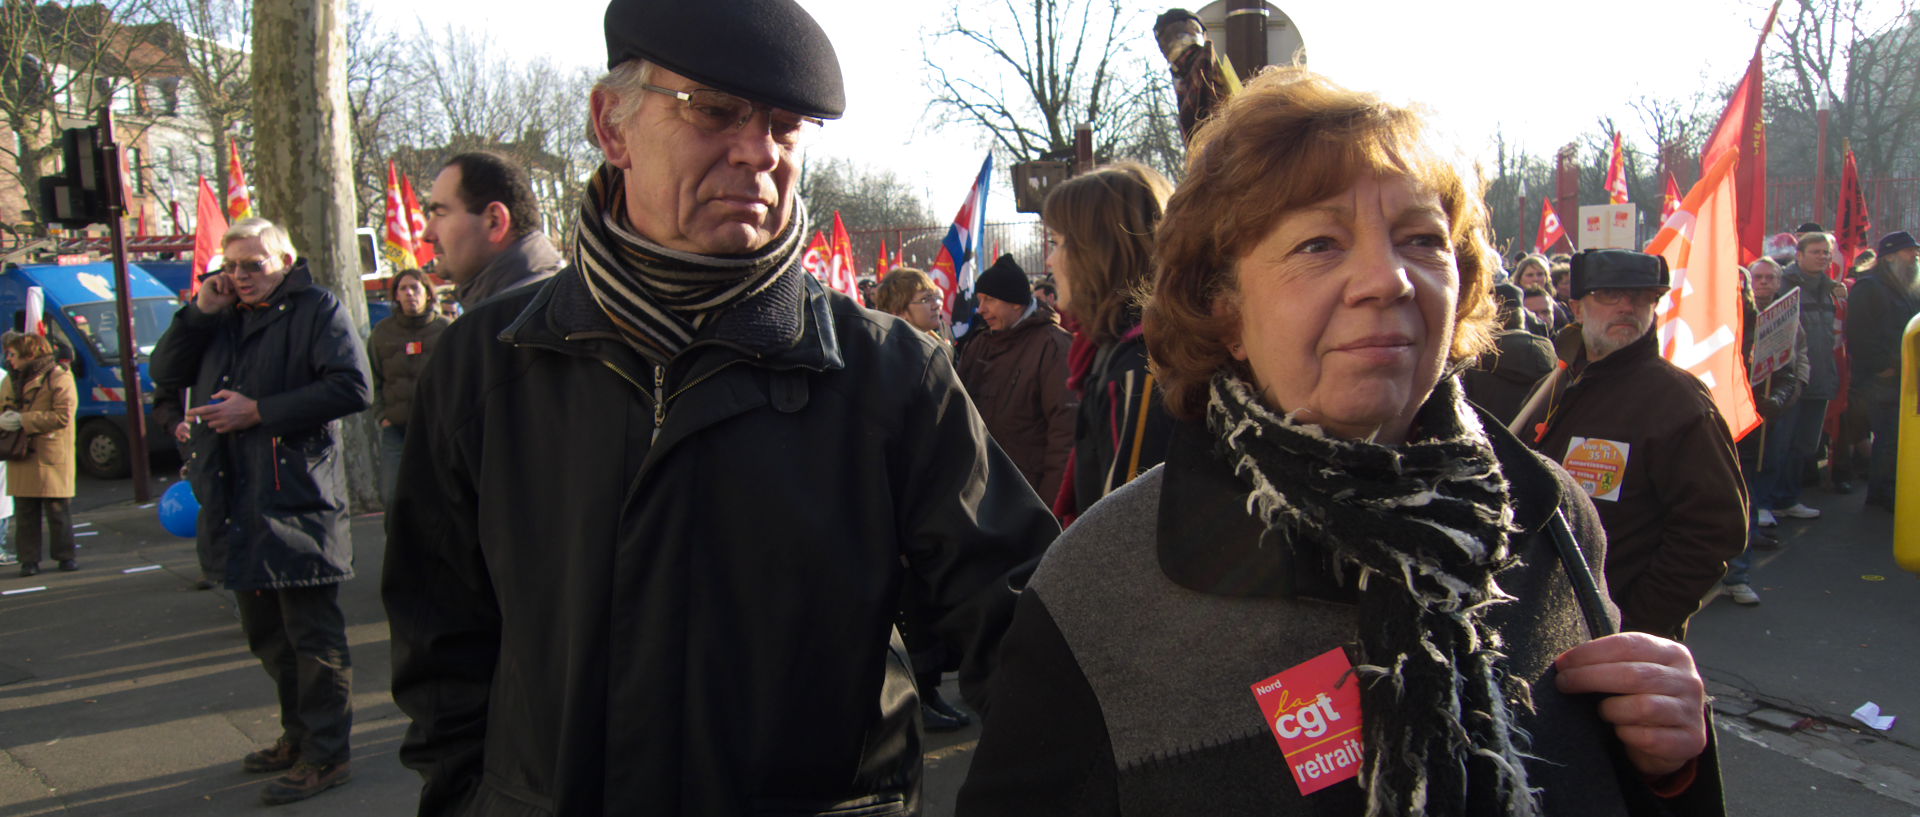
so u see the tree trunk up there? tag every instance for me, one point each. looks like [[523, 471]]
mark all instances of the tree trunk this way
[[304, 161]]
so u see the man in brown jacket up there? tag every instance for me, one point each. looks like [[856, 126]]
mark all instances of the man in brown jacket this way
[[1644, 439], [1016, 374]]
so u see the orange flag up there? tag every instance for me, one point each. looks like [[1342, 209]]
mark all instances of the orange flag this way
[[398, 242], [239, 206], [416, 223], [210, 224], [880, 266], [1616, 174], [1700, 319]]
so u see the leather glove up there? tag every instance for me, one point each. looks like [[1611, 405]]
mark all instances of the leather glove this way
[[10, 420]]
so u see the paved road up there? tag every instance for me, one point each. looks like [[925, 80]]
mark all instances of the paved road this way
[[131, 693]]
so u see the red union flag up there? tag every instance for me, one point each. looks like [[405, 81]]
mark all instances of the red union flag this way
[[1700, 321], [1616, 174], [1550, 231], [397, 244], [1672, 201]]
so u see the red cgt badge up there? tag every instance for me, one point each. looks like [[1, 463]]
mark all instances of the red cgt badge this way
[[1314, 712]]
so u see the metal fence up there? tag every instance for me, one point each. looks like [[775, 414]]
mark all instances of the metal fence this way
[[1892, 204], [1026, 241]]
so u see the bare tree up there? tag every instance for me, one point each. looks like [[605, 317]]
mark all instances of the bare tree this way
[[59, 65], [207, 41], [1858, 57], [1059, 63], [865, 199]]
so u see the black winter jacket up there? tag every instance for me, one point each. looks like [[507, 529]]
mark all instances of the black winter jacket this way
[[1122, 428], [1125, 682], [280, 484], [617, 588], [1876, 320]]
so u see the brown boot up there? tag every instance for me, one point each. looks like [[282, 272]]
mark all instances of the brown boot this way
[[276, 758], [306, 780]]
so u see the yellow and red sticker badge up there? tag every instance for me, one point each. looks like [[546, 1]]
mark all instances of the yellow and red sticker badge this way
[[1314, 711], [1599, 466]]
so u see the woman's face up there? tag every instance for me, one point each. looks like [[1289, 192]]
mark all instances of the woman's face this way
[[1057, 265], [1346, 308], [924, 310], [15, 360], [1532, 275]]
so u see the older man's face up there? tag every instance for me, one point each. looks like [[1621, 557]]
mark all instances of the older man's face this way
[[698, 191]]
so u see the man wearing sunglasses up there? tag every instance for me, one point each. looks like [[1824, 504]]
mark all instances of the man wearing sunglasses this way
[[1644, 439], [655, 514], [271, 361]]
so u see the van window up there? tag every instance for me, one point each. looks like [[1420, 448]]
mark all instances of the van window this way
[[99, 323]]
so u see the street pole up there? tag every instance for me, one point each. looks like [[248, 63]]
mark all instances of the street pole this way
[[129, 365], [1820, 164], [1247, 36]]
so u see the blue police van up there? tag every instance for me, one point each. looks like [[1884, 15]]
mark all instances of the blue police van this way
[[82, 319]]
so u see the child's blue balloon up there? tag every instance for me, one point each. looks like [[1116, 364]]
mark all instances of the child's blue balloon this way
[[179, 510]]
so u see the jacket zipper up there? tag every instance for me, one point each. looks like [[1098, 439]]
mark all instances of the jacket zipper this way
[[276, 464], [659, 399]]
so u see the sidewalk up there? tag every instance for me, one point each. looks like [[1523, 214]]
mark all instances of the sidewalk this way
[[134, 694]]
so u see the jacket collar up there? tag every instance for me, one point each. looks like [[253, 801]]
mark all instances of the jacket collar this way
[[529, 256], [564, 317], [1209, 542]]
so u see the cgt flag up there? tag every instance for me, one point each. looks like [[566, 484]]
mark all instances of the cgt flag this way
[[1741, 130], [239, 205], [1550, 231], [1672, 199], [210, 225], [1854, 225], [416, 223], [1616, 174], [843, 271], [1700, 318], [959, 258], [398, 243]]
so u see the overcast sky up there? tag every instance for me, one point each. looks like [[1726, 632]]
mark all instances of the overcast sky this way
[[1539, 72]]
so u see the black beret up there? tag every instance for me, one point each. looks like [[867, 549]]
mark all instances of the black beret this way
[[1896, 241], [768, 51], [1618, 269], [1005, 280]]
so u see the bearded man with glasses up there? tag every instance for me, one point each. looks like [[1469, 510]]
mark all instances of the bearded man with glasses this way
[[271, 363], [1643, 438], [655, 514]]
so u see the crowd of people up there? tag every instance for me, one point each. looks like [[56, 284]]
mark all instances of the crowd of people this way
[[1284, 452]]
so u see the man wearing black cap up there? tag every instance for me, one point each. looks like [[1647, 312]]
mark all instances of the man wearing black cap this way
[[647, 549], [1883, 302], [1643, 437], [1016, 373]]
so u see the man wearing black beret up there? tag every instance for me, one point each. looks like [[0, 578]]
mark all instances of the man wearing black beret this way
[[1883, 302], [1645, 440], [649, 542]]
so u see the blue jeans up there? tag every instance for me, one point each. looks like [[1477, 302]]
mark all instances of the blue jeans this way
[[1802, 429], [393, 440], [1776, 478]]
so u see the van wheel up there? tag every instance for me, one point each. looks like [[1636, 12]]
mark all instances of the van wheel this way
[[103, 450]]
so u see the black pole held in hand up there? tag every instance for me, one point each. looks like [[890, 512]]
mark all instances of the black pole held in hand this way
[[1580, 575]]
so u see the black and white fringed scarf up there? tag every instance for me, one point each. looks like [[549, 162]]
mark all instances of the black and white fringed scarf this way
[[1425, 525], [660, 298]]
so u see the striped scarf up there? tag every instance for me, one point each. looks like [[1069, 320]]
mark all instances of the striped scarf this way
[[1425, 524], [661, 298]]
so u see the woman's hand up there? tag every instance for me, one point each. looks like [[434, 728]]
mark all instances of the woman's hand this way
[[1656, 698]]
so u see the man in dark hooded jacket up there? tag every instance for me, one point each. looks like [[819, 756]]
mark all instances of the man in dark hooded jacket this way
[[655, 514], [1886, 300], [272, 363]]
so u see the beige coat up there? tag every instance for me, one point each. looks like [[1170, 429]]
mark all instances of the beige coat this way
[[46, 412]]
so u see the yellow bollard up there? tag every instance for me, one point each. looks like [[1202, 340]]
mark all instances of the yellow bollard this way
[[1906, 492]]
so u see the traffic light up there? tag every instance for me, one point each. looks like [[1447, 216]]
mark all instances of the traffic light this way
[[78, 196]]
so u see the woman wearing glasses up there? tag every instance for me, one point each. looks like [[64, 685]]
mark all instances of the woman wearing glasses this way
[[910, 295]]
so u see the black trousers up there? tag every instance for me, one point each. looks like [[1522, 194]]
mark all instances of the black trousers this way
[[27, 511], [300, 636]]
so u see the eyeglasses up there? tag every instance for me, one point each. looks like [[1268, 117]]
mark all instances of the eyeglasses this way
[[248, 267], [720, 112], [1616, 297]]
